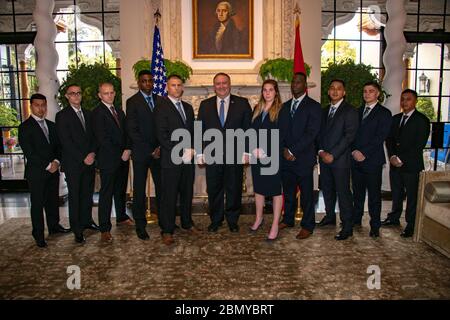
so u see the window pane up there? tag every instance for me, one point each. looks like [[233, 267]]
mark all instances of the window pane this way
[[429, 56], [429, 23], [447, 23], [23, 23], [371, 53], [91, 6], [90, 52], [432, 6], [327, 5], [112, 26], [411, 23], [345, 5], [6, 24], [328, 23], [350, 29], [6, 6], [379, 7], [23, 6], [433, 79], [448, 6], [13, 166], [445, 106], [411, 7], [90, 27]]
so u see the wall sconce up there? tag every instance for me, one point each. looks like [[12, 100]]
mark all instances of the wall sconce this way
[[424, 84]]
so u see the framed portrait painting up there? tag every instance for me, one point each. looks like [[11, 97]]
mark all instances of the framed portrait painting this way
[[223, 29]]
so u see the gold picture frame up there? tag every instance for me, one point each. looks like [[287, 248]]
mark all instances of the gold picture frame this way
[[222, 29]]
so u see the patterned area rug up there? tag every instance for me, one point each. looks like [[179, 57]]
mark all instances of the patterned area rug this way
[[221, 265]]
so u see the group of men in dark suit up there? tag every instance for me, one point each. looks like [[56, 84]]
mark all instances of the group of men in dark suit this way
[[349, 146]]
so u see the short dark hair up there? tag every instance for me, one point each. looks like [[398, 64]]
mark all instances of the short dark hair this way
[[338, 80], [144, 72], [414, 93], [174, 76], [37, 96], [299, 73], [221, 74], [374, 84]]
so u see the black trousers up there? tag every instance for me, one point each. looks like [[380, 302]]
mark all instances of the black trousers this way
[[306, 184], [44, 194], [370, 180], [140, 171], [176, 181], [113, 186], [80, 183], [337, 181], [402, 182], [223, 180]]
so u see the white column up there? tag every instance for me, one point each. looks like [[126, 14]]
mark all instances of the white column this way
[[393, 62], [47, 56], [393, 56]]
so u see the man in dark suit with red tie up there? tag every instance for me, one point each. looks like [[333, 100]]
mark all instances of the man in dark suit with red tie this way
[[299, 123], [368, 157], [141, 129], [177, 172], [338, 130], [224, 111], [39, 142], [74, 126], [113, 154], [407, 139]]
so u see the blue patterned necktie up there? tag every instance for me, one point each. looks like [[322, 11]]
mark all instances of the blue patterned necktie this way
[[294, 108], [150, 102], [332, 111], [366, 112], [222, 112], [180, 110]]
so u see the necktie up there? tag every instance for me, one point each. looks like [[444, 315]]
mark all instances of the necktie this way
[[402, 123], [332, 111], [150, 102], [44, 129], [180, 110], [366, 112], [222, 112], [294, 108], [80, 116], [263, 115], [116, 117]]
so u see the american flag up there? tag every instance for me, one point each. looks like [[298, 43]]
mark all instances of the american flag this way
[[158, 67]]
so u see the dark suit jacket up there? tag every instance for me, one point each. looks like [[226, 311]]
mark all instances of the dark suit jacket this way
[[408, 143], [372, 132], [299, 134], [238, 117], [111, 139], [38, 151], [168, 119], [76, 143], [233, 40], [337, 135], [141, 127]]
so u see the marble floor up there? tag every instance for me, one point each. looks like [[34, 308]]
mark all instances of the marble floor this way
[[218, 265]]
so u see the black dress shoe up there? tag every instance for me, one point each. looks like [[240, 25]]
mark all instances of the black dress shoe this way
[[142, 234], [59, 229], [407, 233], [41, 243], [374, 233], [93, 226], [233, 227], [326, 221], [343, 235], [213, 227], [79, 238], [390, 222]]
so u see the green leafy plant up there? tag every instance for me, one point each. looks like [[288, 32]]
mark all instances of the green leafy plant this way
[[354, 76], [425, 105], [172, 67], [8, 118], [280, 69], [88, 77]]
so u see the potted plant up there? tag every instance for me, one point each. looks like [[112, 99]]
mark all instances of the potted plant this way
[[88, 77], [280, 69], [172, 67], [354, 76]]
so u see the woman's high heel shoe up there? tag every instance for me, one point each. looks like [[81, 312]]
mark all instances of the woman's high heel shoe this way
[[254, 230]]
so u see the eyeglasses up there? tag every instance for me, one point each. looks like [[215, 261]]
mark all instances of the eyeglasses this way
[[74, 93]]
